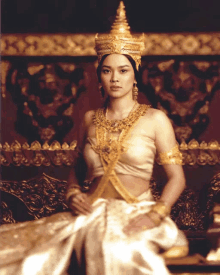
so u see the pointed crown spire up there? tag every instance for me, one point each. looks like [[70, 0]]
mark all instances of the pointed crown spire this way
[[120, 40], [120, 26]]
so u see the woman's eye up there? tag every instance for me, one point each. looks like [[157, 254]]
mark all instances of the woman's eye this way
[[105, 71], [123, 71]]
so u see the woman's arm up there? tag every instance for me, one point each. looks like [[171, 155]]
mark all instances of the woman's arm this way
[[78, 201], [165, 141]]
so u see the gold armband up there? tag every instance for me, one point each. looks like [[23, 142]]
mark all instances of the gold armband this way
[[174, 156], [161, 208], [72, 191]]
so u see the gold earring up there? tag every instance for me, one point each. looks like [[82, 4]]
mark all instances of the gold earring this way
[[135, 92]]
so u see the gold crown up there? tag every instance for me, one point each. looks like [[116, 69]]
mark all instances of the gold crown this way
[[120, 40]]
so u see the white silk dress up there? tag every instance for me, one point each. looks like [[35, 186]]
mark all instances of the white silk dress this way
[[94, 244]]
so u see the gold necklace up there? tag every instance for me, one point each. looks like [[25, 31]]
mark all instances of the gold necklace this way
[[117, 125], [115, 121], [109, 148]]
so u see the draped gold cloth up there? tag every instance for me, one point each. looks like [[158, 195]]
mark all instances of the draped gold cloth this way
[[93, 244]]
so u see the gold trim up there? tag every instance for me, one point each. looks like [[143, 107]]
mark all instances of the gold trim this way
[[83, 44], [193, 153], [37, 155]]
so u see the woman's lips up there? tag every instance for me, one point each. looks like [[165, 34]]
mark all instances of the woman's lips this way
[[115, 88]]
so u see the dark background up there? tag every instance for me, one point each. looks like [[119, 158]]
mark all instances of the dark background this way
[[75, 16]]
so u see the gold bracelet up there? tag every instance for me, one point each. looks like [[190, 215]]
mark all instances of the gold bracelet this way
[[161, 208]]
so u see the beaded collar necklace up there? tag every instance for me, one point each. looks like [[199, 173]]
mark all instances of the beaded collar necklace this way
[[117, 125]]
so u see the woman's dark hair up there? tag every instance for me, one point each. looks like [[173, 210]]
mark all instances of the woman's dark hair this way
[[136, 72]]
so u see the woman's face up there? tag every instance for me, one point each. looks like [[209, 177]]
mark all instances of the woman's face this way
[[117, 76]]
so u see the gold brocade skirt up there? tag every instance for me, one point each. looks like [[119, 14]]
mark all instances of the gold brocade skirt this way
[[94, 244]]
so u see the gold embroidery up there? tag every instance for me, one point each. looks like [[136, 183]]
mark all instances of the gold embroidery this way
[[110, 150], [174, 156]]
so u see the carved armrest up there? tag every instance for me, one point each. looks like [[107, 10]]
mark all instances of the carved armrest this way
[[42, 195], [13, 209], [186, 212]]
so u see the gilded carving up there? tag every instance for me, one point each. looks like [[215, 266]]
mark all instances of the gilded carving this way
[[6, 214], [35, 146], [183, 90], [37, 155], [186, 212], [189, 158], [213, 192], [202, 158], [193, 144], [45, 96], [213, 232], [4, 161], [58, 154], [5, 66], [204, 145], [43, 195], [83, 44], [73, 144], [48, 45], [213, 145], [55, 146]]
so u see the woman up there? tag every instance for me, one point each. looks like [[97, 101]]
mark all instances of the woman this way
[[116, 228]]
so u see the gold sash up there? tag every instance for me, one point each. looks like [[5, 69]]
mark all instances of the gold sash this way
[[110, 151]]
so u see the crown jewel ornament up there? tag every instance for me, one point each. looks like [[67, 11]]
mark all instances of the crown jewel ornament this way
[[120, 40]]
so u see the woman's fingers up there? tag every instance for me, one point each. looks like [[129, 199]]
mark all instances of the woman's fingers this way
[[77, 209], [80, 204], [87, 201], [81, 208]]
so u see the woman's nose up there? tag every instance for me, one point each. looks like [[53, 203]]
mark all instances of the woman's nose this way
[[114, 77]]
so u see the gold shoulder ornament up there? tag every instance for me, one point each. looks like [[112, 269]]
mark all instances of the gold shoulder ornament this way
[[173, 156]]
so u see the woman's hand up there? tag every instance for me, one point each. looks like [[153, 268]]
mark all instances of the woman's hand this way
[[80, 204], [140, 223]]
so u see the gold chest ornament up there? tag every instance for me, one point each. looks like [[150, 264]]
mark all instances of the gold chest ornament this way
[[109, 148]]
